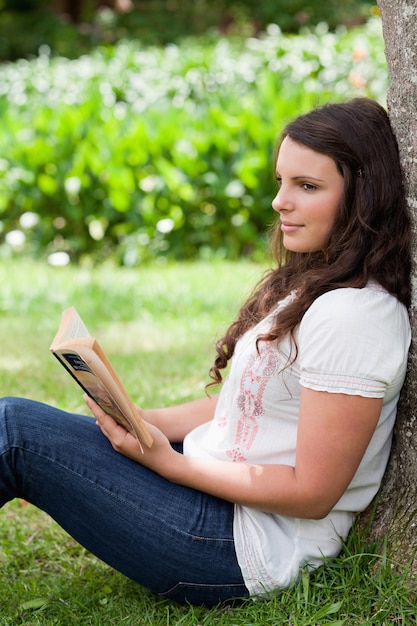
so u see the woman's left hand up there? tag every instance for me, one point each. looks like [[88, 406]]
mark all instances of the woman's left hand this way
[[157, 457]]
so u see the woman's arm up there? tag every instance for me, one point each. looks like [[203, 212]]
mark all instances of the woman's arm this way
[[177, 421], [333, 434]]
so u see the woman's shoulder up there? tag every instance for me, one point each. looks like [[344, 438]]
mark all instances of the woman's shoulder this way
[[363, 334], [371, 304], [370, 296]]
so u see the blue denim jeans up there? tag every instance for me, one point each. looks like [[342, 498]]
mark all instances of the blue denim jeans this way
[[176, 541]]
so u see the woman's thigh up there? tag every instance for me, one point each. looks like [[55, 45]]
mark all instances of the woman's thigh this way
[[173, 540]]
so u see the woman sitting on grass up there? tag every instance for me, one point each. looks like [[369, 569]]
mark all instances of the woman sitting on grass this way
[[241, 490]]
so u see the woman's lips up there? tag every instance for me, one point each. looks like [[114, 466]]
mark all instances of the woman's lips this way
[[286, 227]]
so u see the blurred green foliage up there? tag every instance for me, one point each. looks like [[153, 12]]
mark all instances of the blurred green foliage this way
[[71, 28], [142, 153]]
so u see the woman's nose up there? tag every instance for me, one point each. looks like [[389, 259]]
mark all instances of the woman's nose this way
[[275, 203], [281, 202]]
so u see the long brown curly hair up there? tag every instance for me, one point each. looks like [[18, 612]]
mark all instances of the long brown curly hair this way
[[371, 235]]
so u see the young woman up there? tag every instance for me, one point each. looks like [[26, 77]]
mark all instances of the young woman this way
[[242, 489]]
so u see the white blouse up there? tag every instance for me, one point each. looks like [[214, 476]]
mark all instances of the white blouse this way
[[352, 341]]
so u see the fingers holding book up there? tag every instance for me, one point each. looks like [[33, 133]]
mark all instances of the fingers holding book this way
[[127, 444]]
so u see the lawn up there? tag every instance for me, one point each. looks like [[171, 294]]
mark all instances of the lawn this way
[[158, 325]]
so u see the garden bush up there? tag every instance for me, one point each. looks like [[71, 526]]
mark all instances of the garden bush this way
[[143, 153], [72, 27]]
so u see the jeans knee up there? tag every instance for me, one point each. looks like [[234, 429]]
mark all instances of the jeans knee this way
[[5, 404], [10, 405], [8, 413], [15, 412]]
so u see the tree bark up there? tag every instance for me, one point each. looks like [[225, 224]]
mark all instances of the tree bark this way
[[396, 511]]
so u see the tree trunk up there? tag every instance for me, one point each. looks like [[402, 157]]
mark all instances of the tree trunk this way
[[396, 512]]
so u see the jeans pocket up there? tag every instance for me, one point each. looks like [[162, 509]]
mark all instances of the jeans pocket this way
[[204, 594]]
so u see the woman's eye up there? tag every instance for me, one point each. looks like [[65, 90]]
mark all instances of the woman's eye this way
[[308, 187], [278, 182]]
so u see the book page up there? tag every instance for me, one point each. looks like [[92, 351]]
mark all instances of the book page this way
[[77, 328], [71, 327]]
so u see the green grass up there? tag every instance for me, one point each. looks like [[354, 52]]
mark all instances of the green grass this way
[[158, 326]]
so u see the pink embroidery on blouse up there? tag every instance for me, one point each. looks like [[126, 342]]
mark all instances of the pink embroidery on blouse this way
[[222, 421], [255, 377]]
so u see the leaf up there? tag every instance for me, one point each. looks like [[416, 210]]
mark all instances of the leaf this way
[[34, 605], [327, 609]]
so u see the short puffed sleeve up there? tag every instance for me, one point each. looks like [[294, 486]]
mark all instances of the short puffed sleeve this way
[[355, 341]]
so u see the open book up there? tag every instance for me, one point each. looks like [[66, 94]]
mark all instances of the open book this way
[[84, 359]]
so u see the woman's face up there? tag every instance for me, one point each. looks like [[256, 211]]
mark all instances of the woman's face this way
[[310, 192]]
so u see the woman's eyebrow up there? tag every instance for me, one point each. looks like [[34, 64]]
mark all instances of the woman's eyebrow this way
[[302, 177]]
